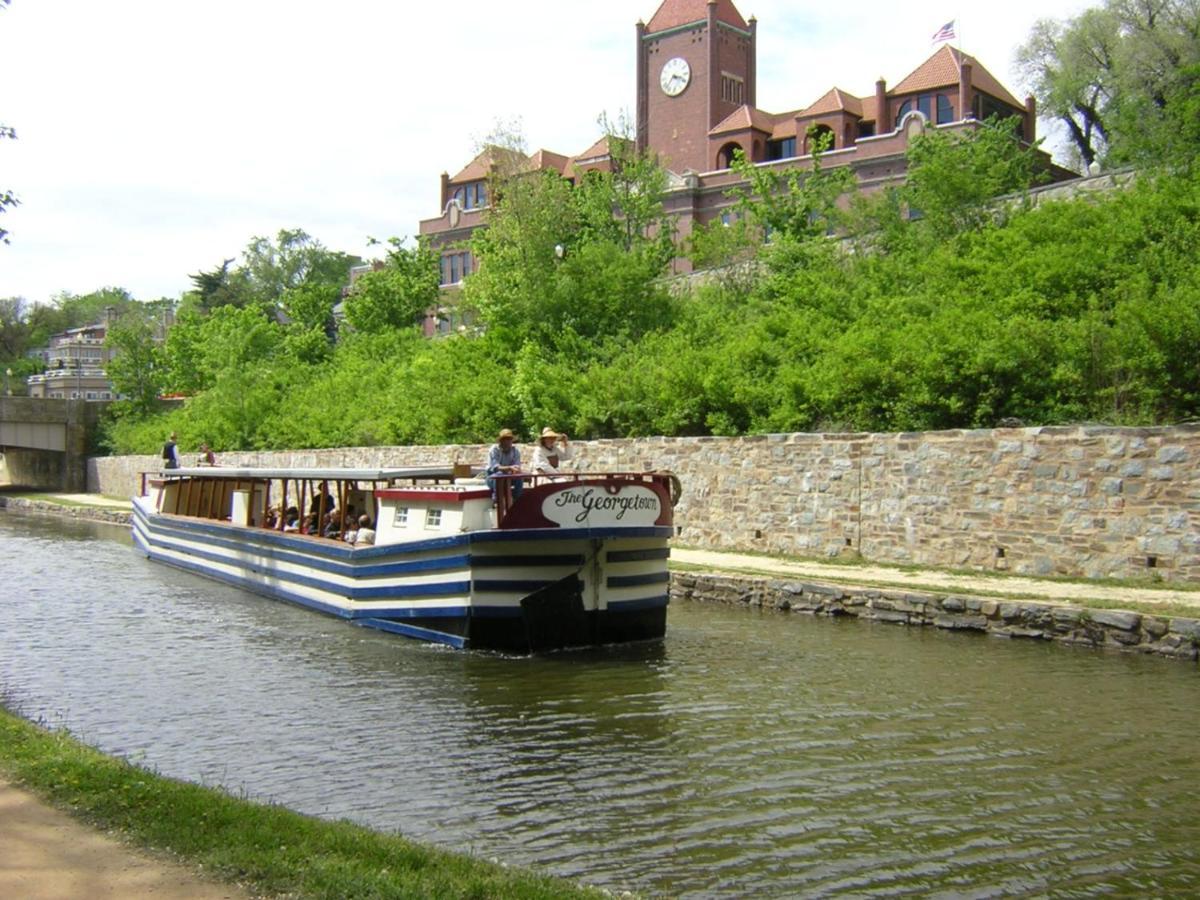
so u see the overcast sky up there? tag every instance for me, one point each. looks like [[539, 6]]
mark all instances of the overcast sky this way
[[157, 137]]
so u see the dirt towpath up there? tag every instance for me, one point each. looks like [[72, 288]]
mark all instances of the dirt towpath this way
[[891, 577], [47, 855]]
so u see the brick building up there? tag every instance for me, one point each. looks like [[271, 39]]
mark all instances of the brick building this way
[[696, 89]]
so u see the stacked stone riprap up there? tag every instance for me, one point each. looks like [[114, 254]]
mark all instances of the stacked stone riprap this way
[[1178, 638]]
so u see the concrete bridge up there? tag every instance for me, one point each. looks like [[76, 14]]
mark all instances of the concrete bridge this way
[[44, 442]]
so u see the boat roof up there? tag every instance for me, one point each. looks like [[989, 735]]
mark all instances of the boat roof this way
[[230, 473]]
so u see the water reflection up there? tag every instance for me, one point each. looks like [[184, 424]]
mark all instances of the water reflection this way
[[749, 754]]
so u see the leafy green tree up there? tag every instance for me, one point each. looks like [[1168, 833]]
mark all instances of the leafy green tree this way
[[1113, 74], [14, 328], [397, 294], [789, 201], [292, 260], [954, 178], [7, 198], [220, 287], [137, 370], [558, 261]]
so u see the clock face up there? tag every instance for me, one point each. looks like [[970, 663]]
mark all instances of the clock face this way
[[675, 76]]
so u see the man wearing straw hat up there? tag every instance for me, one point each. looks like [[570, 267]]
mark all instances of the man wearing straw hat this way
[[504, 459]]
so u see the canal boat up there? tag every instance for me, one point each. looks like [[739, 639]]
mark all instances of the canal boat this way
[[569, 560]]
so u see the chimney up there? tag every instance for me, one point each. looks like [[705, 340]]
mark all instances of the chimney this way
[[881, 111], [752, 65], [964, 91], [1030, 119], [642, 123]]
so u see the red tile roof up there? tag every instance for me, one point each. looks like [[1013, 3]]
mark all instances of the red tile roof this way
[[744, 117], [598, 149], [476, 169], [835, 100], [547, 159], [944, 69], [674, 13]]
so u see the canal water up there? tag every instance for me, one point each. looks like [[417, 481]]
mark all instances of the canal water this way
[[750, 754]]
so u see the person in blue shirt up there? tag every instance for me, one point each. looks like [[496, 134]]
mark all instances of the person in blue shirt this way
[[504, 459]]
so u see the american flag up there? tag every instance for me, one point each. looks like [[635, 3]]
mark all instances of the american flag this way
[[945, 33]]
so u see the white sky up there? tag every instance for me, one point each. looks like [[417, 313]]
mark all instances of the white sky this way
[[157, 137]]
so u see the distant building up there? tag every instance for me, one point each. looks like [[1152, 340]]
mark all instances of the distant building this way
[[696, 107], [75, 362]]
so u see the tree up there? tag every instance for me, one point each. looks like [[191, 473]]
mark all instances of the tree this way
[[220, 287], [14, 328], [954, 178], [1071, 69], [556, 258], [789, 201], [292, 260], [1114, 74], [270, 269], [137, 370], [7, 198], [397, 294]]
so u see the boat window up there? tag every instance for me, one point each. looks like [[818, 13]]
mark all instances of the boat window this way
[[433, 518], [401, 517]]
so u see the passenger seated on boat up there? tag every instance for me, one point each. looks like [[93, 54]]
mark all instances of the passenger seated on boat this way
[[551, 450], [322, 502], [271, 519], [504, 459], [365, 534], [291, 521], [331, 526]]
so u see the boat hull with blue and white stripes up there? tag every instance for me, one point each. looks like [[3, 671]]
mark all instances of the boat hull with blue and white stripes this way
[[529, 585]]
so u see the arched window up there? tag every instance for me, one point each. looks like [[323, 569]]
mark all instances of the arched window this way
[[725, 154], [820, 136], [905, 108]]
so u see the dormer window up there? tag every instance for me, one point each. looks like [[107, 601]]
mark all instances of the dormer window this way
[[472, 196]]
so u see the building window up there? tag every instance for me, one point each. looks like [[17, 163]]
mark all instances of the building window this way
[[781, 149], [945, 109], [472, 196], [433, 518], [733, 89], [866, 129], [455, 267], [922, 104], [400, 519]]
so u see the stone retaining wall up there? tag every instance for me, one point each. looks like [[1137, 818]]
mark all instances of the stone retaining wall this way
[[1072, 501], [44, 508], [1165, 636]]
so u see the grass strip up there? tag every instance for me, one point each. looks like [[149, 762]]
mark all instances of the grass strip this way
[[264, 848]]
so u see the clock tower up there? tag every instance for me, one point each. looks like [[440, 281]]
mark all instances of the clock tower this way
[[695, 66]]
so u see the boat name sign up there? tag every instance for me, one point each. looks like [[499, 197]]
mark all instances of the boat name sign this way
[[602, 505]]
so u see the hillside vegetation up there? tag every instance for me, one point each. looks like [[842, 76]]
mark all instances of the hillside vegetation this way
[[930, 305]]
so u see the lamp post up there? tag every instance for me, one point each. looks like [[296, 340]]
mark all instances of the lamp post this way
[[8, 382]]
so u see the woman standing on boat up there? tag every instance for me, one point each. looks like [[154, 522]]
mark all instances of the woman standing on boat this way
[[551, 450]]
